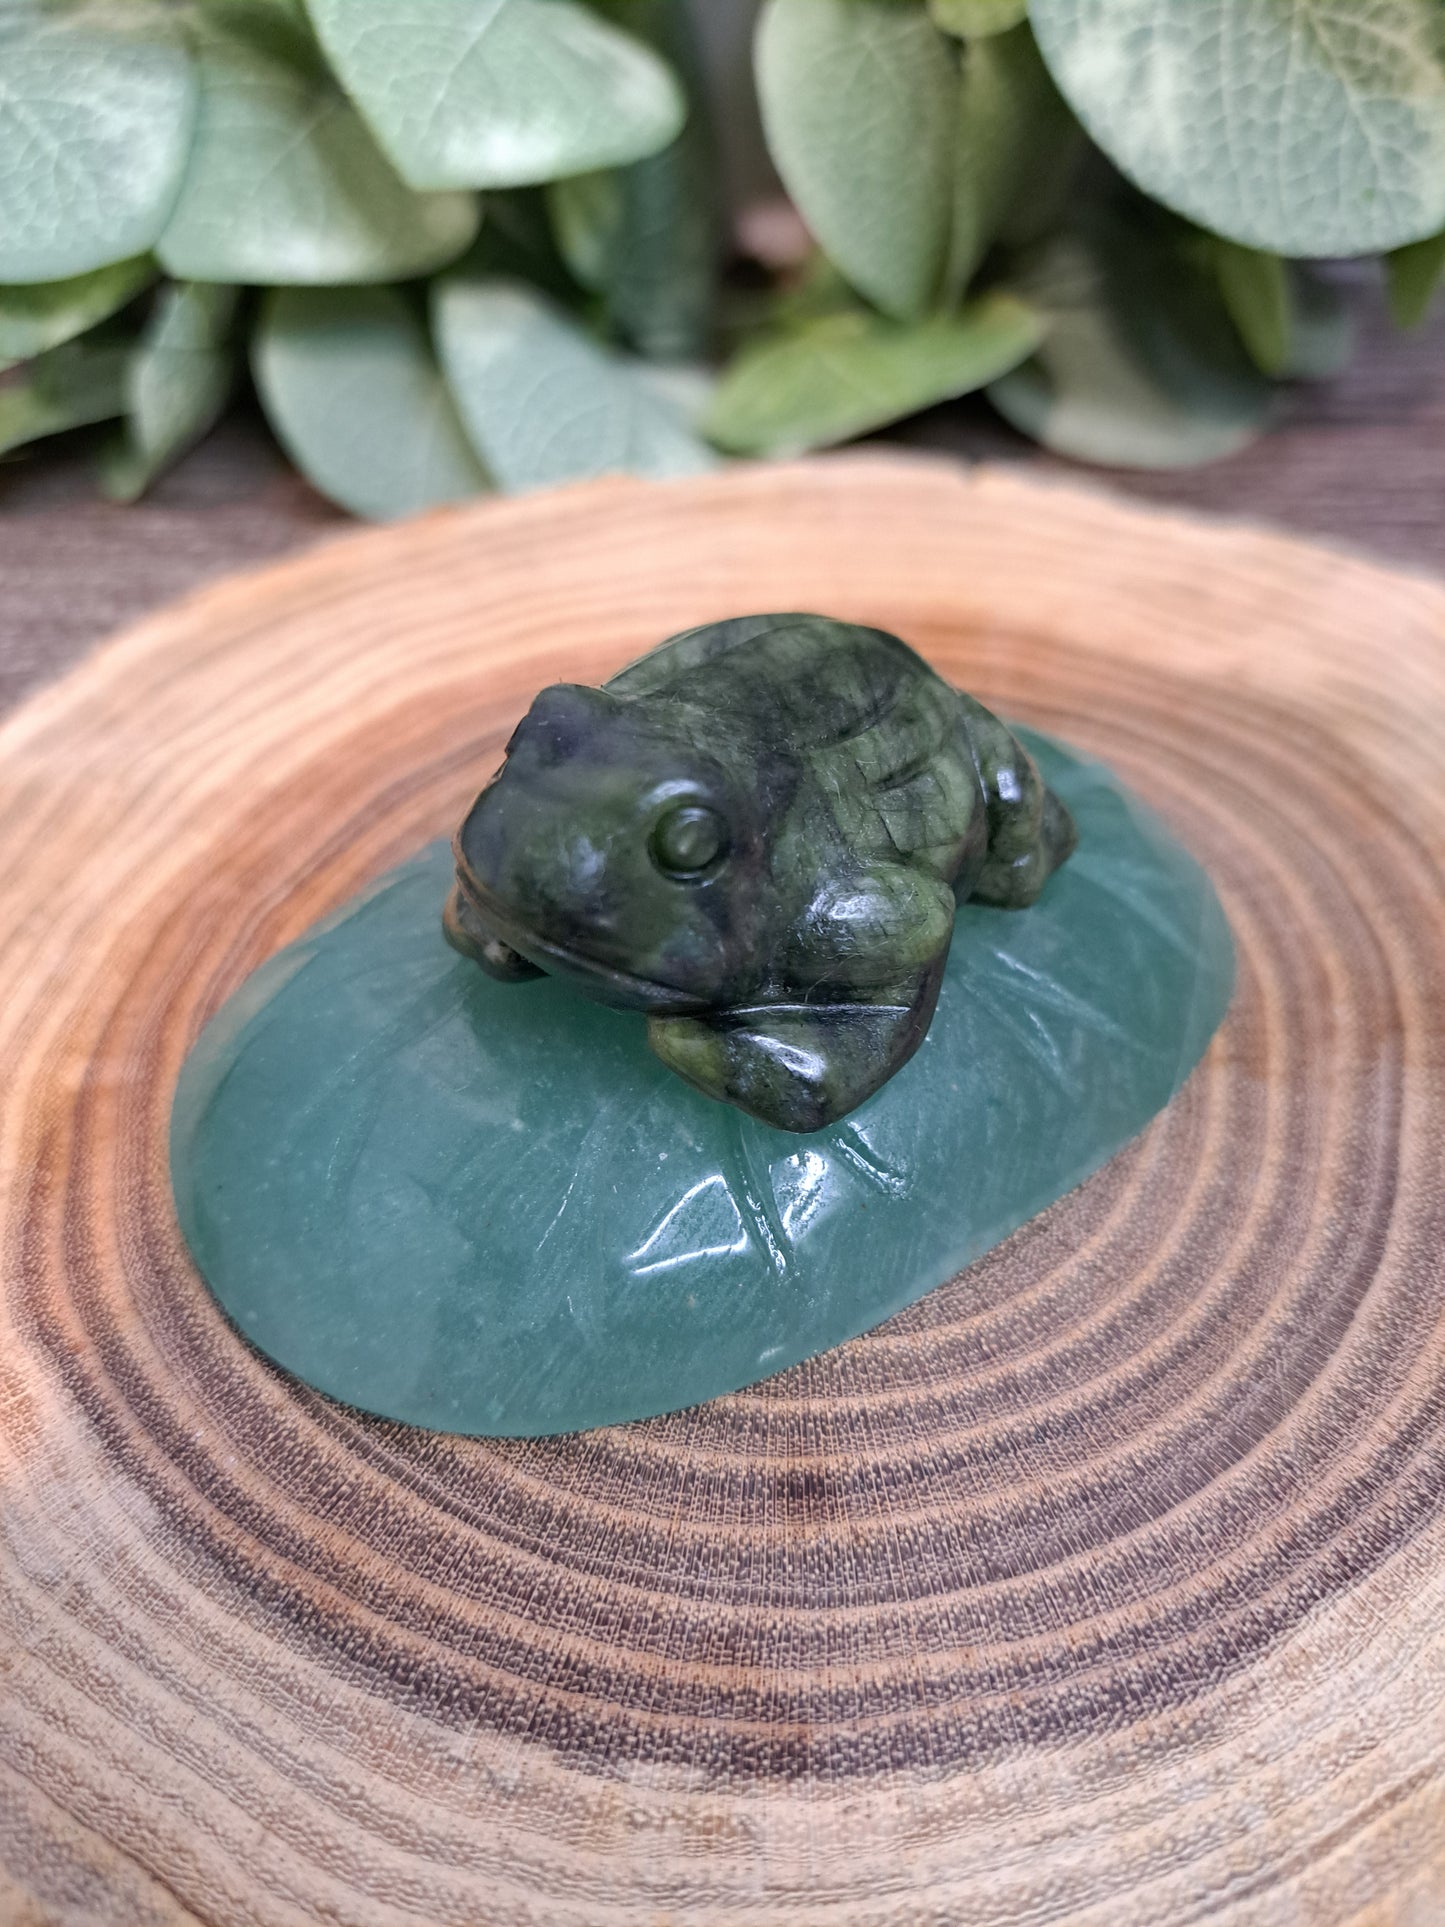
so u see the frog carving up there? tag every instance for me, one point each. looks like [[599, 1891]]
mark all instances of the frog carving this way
[[757, 835]]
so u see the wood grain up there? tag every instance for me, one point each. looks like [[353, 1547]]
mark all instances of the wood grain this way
[[1105, 1586]]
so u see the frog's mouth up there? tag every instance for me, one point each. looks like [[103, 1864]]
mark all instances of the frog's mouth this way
[[481, 926]]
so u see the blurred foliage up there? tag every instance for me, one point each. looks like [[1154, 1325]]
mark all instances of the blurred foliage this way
[[473, 244]]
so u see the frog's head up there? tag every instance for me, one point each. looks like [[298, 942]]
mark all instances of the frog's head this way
[[611, 849]]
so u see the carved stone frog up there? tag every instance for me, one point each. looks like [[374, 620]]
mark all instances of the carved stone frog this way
[[758, 835]]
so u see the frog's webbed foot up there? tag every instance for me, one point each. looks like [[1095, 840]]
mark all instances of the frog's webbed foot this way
[[798, 1067], [466, 931]]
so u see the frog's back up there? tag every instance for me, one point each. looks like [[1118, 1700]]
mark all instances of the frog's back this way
[[883, 762]]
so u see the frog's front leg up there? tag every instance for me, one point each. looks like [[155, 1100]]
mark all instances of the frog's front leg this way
[[798, 1067], [868, 953]]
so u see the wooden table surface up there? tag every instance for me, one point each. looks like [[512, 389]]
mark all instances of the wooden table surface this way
[[1105, 1585], [1102, 1587], [1359, 460]]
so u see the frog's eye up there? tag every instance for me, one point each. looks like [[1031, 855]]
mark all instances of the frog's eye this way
[[688, 839]]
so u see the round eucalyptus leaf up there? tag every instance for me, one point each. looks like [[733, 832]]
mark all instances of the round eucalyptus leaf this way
[[685, 388], [542, 401], [178, 379], [1140, 367], [45, 313], [285, 184], [1310, 128], [1412, 275], [860, 103], [587, 217], [848, 373], [96, 111], [1017, 143], [977, 19], [660, 276], [350, 384], [499, 93], [71, 386], [649, 237]]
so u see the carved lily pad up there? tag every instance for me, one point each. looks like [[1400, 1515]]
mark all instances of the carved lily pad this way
[[488, 1208]]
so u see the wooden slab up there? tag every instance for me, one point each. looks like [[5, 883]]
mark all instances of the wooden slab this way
[[1106, 1586]]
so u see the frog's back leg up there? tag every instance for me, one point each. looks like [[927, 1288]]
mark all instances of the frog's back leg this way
[[798, 1067], [1030, 831], [868, 927]]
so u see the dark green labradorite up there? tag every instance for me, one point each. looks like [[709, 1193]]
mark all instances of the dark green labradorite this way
[[758, 835]]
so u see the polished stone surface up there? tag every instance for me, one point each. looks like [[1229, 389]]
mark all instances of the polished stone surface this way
[[759, 833], [487, 1207]]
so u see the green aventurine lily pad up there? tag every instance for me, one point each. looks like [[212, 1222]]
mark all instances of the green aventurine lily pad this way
[[487, 1207]]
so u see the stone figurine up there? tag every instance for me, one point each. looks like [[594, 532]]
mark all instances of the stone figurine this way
[[758, 835]]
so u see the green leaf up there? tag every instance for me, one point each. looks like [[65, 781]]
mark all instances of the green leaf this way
[[587, 215], [1322, 328], [1140, 367], [178, 379], [1412, 276], [517, 242], [976, 19], [1017, 142], [848, 373], [686, 388], [545, 403], [46, 313], [860, 104], [498, 93], [648, 237], [350, 384], [1293, 322], [1304, 127], [285, 183], [1256, 290], [817, 290], [69, 387], [96, 109]]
